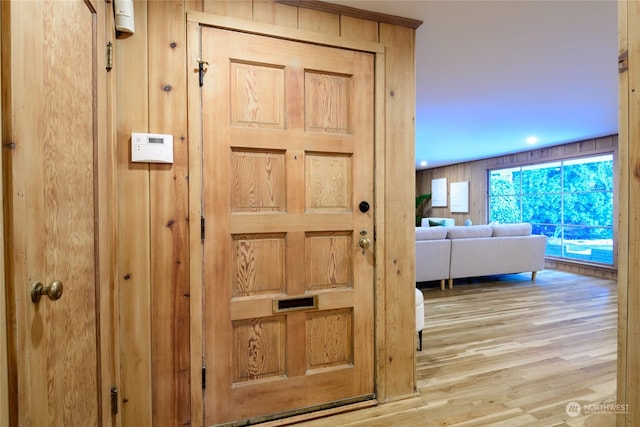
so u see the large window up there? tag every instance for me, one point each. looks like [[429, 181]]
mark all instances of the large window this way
[[569, 201]]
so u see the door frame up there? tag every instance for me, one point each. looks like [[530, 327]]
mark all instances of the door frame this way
[[628, 369], [195, 20], [4, 351]]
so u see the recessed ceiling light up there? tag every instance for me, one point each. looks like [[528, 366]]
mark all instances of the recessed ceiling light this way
[[423, 163], [531, 140]]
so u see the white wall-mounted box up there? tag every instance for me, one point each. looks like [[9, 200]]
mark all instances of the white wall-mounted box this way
[[124, 16], [151, 148]]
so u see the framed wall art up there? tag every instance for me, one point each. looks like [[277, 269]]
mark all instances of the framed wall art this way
[[460, 197], [439, 192]]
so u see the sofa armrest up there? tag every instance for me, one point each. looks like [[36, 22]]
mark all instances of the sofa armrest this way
[[432, 259]]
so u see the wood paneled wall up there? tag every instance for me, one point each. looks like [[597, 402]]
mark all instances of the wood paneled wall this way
[[476, 172], [396, 271], [153, 220], [153, 250]]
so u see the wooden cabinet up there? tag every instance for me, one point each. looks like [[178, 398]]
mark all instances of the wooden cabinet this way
[[57, 170]]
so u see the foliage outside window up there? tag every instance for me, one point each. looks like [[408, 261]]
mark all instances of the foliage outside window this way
[[569, 201]]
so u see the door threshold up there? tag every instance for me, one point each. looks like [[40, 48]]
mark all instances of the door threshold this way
[[308, 413]]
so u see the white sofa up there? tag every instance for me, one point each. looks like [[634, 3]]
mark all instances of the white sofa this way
[[477, 250], [433, 254]]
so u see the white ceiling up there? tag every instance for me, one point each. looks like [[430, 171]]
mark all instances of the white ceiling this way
[[492, 73]]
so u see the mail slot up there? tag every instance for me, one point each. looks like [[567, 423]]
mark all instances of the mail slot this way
[[294, 304]]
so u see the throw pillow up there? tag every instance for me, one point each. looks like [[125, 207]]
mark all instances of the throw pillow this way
[[433, 223]]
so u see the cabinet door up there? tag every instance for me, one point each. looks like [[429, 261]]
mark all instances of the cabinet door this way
[[51, 120]]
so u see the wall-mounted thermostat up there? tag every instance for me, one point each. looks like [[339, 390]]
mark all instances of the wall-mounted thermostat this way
[[151, 148]]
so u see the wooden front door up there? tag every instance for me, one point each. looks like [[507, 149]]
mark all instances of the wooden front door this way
[[288, 198], [49, 148]]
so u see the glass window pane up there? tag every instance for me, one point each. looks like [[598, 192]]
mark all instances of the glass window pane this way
[[554, 238], [542, 178], [593, 244], [544, 208], [569, 201], [504, 209], [595, 208], [589, 174], [504, 181]]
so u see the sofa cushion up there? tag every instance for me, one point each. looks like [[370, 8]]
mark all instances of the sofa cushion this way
[[467, 232], [520, 229], [431, 233], [496, 255]]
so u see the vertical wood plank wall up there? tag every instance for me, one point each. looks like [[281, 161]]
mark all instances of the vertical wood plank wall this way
[[4, 367], [169, 218], [153, 221], [476, 173], [134, 243], [628, 389], [397, 369], [153, 248]]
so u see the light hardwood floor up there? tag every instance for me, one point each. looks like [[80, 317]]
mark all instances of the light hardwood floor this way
[[505, 351]]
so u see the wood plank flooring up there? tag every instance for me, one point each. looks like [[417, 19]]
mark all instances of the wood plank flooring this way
[[505, 351]]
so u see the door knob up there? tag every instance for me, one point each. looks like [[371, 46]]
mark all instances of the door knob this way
[[53, 291], [365, 243]]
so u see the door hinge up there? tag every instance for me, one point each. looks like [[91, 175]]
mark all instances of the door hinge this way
[[109, 56], [623, 61], [204, 376], [114, 400], [202, 227], [202, 68]]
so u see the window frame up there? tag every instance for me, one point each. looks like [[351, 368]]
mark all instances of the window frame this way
[[520, 194]]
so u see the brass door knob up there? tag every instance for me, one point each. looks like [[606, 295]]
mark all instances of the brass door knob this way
[[365, 243], [53, 291]]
